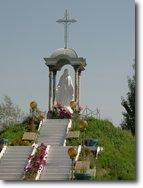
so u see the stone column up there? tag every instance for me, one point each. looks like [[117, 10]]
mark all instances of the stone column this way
[[78, 89], [76, 85], [50, 90], [54, 86]]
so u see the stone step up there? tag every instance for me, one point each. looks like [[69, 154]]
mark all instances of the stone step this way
[[56, 120], [10, 176], [59, 161], [60, 148], [54, 179], [45, 138], [59, 155], [56, 125], [50, 138], [60, 170], [8, 157], [50, 143], [11, 170], [52, 131], [13, 173], [17, 152], [16, 155], [58, 152], [13, 162], [49, 133], [19, 159], [12, 165], [55, 176], [58, 174], [58, 164], [19, 147]]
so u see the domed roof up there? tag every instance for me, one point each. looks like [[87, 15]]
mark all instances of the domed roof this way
[[64, 51]]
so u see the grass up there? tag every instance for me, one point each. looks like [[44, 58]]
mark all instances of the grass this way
[[13, 133], [117, 161]]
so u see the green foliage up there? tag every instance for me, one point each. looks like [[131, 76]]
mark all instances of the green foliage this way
[[117, 161], [13, 133], [129, 106]]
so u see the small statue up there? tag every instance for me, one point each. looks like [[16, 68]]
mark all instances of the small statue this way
[[65, 89]]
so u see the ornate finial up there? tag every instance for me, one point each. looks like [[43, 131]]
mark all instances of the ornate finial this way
[[66, 21]]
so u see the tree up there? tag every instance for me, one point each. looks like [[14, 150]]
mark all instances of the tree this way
[[10, 113], [129, 106]]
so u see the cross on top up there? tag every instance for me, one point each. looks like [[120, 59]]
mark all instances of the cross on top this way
[[66, 21]]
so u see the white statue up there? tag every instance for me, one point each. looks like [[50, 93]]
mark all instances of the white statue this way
[[65, 89]]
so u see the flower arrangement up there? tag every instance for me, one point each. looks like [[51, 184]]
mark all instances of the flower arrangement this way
[[61, 112], [37, 161]]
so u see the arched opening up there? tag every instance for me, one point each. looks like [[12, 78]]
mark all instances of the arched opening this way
[[57, 63]]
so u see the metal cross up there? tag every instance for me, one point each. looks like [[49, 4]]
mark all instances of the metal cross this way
[[66, 21]]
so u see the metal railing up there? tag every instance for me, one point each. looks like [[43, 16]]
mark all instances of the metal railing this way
[[87, 112]]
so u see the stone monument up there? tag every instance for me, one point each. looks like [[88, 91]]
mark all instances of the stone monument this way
[[59, 58]]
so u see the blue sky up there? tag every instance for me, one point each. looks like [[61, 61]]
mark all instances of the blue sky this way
[[103, 34]]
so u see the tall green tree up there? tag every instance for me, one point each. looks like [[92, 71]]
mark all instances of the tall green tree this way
[[129, 106]]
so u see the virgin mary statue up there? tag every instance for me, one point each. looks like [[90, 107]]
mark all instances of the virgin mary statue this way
[[65, 89]]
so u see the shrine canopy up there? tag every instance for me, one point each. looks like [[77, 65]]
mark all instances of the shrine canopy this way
[[65, 56]]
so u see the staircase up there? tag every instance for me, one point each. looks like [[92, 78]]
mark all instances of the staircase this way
[[58, 164], [13, 162], [53, 132]]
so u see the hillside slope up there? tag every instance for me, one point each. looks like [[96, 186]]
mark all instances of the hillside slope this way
[[117, 161]]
